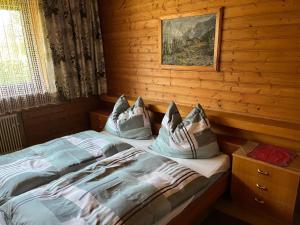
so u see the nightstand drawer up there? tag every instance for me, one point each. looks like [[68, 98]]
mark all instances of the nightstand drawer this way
[[265, 187], [275, 201], [260, 202], [261, 172]]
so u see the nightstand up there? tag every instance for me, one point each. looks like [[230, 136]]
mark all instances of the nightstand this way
[[264, 187], [98, 119]]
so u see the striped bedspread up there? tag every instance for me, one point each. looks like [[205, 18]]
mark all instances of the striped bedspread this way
[[32, 167], [131, 187]]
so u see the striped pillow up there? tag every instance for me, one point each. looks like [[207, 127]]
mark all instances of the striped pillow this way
[[129, 122], [190, 138]]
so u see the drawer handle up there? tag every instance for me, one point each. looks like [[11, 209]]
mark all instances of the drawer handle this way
[[261, 187], [259, 201], [263, 172]]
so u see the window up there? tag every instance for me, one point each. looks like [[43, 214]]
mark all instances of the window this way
[[25, 64]]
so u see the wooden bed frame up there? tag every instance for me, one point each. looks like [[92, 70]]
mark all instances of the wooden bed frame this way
[[198, 208]]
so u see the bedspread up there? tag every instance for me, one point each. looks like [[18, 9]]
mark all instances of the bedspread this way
[[29, 168], [130, 187]]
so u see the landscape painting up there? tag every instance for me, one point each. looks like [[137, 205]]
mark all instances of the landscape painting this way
[[189, 41]]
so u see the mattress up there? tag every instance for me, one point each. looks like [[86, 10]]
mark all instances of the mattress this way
[[206, 167]]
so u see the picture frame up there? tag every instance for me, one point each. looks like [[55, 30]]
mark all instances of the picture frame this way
[[209, 60]]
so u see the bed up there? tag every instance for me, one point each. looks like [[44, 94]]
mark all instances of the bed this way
[[187, 205], [196, 207]]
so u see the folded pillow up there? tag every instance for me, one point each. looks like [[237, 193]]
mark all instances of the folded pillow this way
[[191, 138], [129, 122]]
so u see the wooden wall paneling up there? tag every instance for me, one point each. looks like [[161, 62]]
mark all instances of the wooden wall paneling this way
[[53, 121], [135, 11], [259, 59], [212, 99], [145, 13]]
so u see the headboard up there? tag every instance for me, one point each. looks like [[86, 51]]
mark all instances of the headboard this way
[[233, 130]]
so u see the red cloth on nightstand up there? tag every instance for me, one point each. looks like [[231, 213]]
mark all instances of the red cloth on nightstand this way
[[273, 154]]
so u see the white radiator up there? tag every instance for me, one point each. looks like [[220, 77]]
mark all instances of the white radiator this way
[[10, 134]]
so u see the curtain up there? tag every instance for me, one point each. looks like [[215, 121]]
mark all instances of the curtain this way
[[26, 67], [76, 44]]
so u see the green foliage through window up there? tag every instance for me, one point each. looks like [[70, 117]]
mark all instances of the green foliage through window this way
[[14, 63]]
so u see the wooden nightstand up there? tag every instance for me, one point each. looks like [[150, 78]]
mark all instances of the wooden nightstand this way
[[98, 119], [264, 187]]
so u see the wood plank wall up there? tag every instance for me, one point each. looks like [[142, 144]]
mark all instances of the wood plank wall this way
[[260, 56], [53, 121]]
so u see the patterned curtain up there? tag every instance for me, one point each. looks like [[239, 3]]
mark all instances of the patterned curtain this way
[[76, 43]]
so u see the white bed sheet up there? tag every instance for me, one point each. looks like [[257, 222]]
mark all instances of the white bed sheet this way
[[206, 167]]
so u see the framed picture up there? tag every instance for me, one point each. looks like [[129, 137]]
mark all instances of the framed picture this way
[[191, 41]]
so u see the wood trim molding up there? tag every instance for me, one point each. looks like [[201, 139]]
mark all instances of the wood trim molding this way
[[270, 131]]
